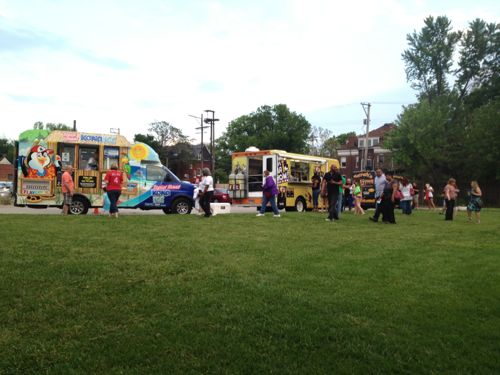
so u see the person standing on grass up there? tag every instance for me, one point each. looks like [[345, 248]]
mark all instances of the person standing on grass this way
[[323, 195], [391, 186], [429, 196], [475, 202], [416, 195], [358, 195], [406, 190], [348, 198], [333, 183], [340, 199], [450, 196], [114, 181], [379, 183], [68, 188], [206, 191], [269, 193], [316, 188]]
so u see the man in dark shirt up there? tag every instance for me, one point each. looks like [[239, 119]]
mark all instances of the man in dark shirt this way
[[332, 180], [388, 198]]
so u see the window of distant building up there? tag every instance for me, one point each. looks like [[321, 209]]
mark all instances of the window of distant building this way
[[381, 159], [343, 162]]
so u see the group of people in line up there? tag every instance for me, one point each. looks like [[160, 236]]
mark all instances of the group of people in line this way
[[113, 182], [339, 193]]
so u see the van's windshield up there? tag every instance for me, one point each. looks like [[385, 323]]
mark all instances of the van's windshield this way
[[158, 172]]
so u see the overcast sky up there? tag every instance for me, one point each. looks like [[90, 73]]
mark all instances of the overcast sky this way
[[123, 64]]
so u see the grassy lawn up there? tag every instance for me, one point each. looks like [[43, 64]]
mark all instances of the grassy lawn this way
[[236, 294]]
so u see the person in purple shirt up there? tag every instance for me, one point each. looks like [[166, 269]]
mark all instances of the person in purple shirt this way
[[269, 193]]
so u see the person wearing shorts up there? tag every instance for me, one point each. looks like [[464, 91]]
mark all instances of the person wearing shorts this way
[[67, 187]]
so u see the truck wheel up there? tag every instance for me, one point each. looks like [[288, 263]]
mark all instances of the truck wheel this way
[[79, 206], [181, 206], [300, 205]]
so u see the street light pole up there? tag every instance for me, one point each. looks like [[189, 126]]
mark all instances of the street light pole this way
[[202, 129], [211, 121]]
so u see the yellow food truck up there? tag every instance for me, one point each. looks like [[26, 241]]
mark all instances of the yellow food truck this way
[[292, 173]]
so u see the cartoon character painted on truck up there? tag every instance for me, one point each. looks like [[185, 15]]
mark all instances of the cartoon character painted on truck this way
[[42, 155]]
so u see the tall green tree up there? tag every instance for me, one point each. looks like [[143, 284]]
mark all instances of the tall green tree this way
[[429, 57], [166, 135], [453, 129], [269, 127]]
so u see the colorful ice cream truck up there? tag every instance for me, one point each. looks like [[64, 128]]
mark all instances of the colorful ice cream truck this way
[[292, 172], [42, 156]]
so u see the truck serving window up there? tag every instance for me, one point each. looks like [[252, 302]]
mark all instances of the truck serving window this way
[[88, 159], [299, 171], [111, 156], [255, 175], [67, 153]]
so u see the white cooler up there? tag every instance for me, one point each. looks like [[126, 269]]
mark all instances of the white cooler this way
[[220, 208]]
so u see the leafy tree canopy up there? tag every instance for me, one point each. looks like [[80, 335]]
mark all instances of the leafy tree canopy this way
[[166, 134], [51, 126], [268, 127], [453, 129]]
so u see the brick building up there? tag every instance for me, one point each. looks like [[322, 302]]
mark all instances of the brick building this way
[[6, 170], [351, 153]]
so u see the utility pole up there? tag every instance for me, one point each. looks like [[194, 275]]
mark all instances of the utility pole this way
[[366, 108], [211, 121], [202, 129]]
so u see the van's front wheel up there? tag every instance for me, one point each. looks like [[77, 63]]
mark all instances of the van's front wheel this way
[[182, 206]]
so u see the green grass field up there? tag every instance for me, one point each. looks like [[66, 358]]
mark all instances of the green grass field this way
[[236, 294]]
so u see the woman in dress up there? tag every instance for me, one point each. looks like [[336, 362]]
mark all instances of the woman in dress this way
[[429, 196], [475, 202]]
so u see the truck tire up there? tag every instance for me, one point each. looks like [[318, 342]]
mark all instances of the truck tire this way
[[182, 206], [300, 205], [79, 205]]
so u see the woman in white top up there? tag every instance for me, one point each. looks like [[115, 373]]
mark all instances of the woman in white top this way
[[406, 190], [206, 191], [429, 196]]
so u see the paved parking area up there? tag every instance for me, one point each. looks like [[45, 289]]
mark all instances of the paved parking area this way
[[6, 209]]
